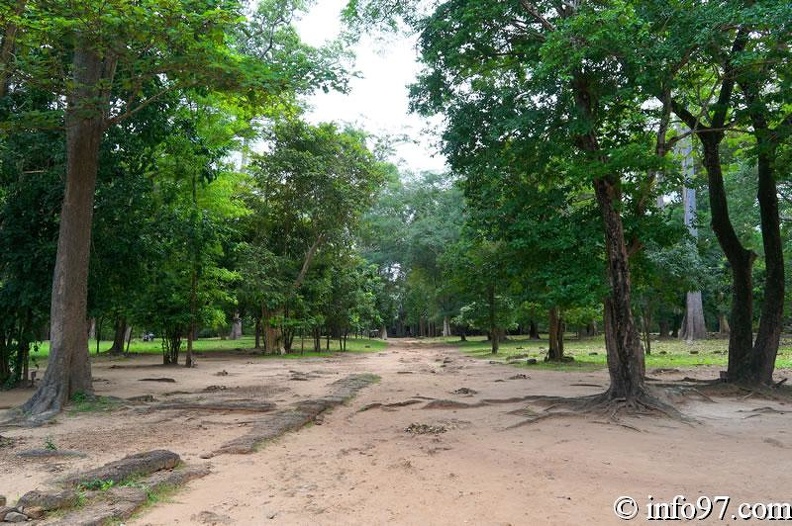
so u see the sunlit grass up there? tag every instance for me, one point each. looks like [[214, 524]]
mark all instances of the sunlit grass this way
[[246, 343], [589, 353]]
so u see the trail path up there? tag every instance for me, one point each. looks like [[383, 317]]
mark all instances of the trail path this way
[[432, 443]]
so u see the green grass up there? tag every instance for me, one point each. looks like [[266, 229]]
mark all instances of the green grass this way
[[216, 344], [81, 403], [589, 353]]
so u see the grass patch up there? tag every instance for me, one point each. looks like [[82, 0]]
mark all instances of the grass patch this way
[[246, 343], [83, 403], [589, 353]]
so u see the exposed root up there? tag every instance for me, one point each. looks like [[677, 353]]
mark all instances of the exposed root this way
[[778, 392], [600, 404], [539, 417], [390, 406]]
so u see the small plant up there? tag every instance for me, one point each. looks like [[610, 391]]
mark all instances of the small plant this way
[[87, 403], [49, 444], [97, 485]]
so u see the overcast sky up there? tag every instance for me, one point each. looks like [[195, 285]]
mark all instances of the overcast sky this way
[[377, 101]]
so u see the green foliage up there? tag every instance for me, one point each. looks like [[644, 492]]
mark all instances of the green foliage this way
[[49, 443], [308, 193], [406, 234], [96, 485], [590, 354], [83, 403]]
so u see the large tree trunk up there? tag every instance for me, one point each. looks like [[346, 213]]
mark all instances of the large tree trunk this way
[[555, 351], [236, 327], [693, 324], [68, 369], [741, 262], [119, 335], [740, 259], [693, 327], [272, 333], [533, 330], [446, 327], [769, 334], [622, 341]]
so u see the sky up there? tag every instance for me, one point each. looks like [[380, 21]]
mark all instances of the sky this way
[[378, 101]]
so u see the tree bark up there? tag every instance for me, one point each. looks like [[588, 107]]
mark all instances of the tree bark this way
[[622, 341], [693, 327], [119, 335], [555, 351], [493, 329], [768, 335], [272, 334], [68, 368], [236, 327], [533, 330], [740, 259], [723, 325]]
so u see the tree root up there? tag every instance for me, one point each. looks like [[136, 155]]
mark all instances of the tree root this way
[[599, 405]]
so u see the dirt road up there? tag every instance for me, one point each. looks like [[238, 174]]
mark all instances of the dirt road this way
[[437, 441]]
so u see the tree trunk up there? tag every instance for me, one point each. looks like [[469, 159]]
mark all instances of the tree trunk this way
[[257, 343], [740, 259], [622, 341], [236, 327], [768, 335], [119, 335], [98, 335], [128, 337], [555, 352], [741, 262], [68, 368], [646, 324], [664, 328], [446, 327], [693, 327], [723, 325], [533, 330], [384, 332], [272, 333], [493, 329]]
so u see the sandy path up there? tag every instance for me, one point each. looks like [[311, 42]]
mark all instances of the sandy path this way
[[363, 467]]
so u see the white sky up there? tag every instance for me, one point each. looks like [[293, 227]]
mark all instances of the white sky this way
[[377, 102]]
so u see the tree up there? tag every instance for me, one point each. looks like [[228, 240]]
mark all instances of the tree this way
[[731, 49], [541, 77], [693, 325], [406, 233], [477, 271], [114, 51], [309, 191]]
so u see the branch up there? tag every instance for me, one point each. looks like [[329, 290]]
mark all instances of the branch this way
[[307, 262], [122, 116], [7, 48], [690, 120], [729, 78], [534, 12]]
